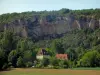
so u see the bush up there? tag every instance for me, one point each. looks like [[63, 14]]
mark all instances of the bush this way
[[29, 64], [57, 63], [20, 62], [65, 64], [56, 67], [53, 61], [5, 66], [45, 62], [38, 66], [90, 59]]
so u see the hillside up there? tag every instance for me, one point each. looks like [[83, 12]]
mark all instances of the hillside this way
[[75, 33]]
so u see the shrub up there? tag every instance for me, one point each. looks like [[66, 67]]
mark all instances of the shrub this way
[[45, 62], [90, 59], [29, 64], [20, 62], [5, 66]]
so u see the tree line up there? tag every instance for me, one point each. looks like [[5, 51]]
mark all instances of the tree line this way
[[82, 47], [50, 15]]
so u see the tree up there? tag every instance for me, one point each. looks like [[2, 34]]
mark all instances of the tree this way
[[90, 59], [71, 54], [79, 52], [57, 47], [20, 62], [7, 41], [64, 11], [27, 56], [12, 57], [2, 58], [22, 45]]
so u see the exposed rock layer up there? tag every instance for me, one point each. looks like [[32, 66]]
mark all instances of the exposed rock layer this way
[[42, 28]]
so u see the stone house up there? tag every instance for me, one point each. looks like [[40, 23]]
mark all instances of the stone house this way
[[42, 54]]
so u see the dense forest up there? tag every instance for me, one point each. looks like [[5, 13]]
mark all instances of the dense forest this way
[[81, 45]]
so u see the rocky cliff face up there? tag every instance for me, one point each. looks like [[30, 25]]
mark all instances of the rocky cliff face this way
[[45, 27]]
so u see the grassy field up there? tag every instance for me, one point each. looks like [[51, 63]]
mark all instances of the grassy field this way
[[86, 68], [19, 71]]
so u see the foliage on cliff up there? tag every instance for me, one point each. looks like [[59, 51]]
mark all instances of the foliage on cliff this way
[[79, 14]]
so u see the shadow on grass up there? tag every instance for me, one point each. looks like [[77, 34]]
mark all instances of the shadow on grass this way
[[8, 69]]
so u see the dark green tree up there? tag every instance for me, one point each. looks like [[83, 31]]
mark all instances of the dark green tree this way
[[20, 62], [57, 47], [12, 57], [2, 58], [90, 59]]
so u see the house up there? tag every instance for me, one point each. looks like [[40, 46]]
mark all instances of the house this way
[[62, 56], [42, 54]]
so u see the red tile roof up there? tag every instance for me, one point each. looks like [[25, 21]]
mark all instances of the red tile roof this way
[[62, 56]]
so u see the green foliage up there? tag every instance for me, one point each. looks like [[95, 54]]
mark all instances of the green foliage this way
[[7, 41], [22, 45], [27, 56], [57, 46], [45, 62], [54, 61], [2, 58], [29, 64], [64, 11], [49, 15], [16, 50], [64, 64], [5, 66], [12, 57], [20, 62], [78, 44], [90, 59]]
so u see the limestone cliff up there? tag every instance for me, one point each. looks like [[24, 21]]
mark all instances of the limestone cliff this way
[[45, 27]]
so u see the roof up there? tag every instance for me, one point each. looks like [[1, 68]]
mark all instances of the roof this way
[[62, 56]]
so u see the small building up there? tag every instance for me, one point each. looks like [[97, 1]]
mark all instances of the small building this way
[[62, 56], [42, 54]]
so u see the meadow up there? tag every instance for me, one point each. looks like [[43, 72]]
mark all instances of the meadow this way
[[30, 71]]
